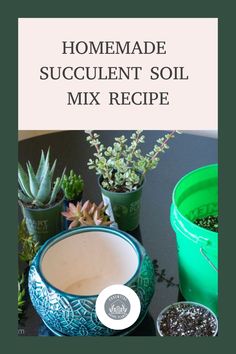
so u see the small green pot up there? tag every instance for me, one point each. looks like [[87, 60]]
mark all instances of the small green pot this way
[[123, 208], [43, 223]]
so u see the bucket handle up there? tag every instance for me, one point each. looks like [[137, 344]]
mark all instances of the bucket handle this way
[[185, 232], [196, 239], [192, 237], [208, 259]]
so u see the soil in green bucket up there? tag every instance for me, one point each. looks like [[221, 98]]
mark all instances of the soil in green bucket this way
[[195, 197]]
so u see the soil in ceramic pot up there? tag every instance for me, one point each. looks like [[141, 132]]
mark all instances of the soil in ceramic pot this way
[[209, 222], [188, 320]]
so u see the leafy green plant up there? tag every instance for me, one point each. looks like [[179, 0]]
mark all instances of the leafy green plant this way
[[87, 214], [21, 295], [38, 189], [29, 247], [123, 166], [72, 185]]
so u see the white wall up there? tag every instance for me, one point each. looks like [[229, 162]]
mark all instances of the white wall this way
[[25, 134]]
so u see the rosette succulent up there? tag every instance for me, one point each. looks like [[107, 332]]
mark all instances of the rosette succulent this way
[[87, 214]]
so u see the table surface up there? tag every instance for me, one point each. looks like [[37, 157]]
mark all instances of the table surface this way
[[187, 152]]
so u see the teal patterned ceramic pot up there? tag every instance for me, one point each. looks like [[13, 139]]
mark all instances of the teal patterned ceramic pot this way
[[72, 268]]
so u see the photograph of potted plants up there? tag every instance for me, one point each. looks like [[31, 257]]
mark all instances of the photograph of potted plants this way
[[138, 208]]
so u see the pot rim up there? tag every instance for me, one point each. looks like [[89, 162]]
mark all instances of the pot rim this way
[[43, 209], [121, 193], [158, 321], [37, 262], [199, 228]]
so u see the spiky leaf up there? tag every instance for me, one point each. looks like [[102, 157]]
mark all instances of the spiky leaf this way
[[34, 186], [44, 191], [23, 180], [53, 169], [40, 170], [55, 190], [23, 197], [57, 187]]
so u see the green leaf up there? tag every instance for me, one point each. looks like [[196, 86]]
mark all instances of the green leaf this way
[[55, 190], [47, 156], [53, 169], [23, 197], [34, 186], [40, 170], [57, 187], [45, 187], [23, 180]]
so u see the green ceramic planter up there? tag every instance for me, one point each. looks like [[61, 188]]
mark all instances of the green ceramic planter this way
[[72, 268], [44, 223], [123, 208]]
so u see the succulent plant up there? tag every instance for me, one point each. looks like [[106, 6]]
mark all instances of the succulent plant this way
[[38, 188], [21, 295], [87, 214], [123, 166], [29, 247], [72, 185]]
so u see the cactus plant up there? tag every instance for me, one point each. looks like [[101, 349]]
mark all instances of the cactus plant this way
[[87, 214], [38, 189], [72, 185]]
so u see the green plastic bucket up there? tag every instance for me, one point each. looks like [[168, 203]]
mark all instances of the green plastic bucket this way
[[196, 196]]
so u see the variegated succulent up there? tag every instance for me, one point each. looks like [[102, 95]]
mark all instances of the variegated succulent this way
[[87, 214], [123, 166], [38, 188]]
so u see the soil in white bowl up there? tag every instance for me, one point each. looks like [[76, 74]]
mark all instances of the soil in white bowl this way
[[86, 263]]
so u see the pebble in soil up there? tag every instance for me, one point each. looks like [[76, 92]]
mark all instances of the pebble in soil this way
[[187, 320], [209, 222]]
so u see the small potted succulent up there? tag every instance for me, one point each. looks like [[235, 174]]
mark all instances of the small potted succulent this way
[[72, 186], [41, 199], [86, 215], [122, 168], [187, 319]]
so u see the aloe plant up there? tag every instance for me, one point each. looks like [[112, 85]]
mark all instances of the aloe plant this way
[[38, 188]]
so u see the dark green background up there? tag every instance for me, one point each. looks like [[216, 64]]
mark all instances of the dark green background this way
[[10, 11]]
